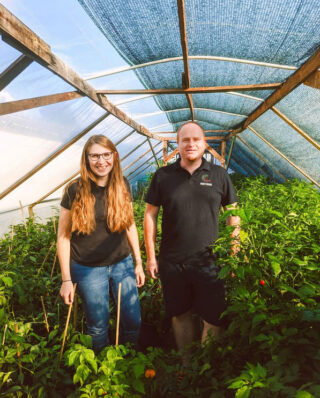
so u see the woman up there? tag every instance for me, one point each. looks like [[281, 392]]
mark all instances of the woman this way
[[96, 231]]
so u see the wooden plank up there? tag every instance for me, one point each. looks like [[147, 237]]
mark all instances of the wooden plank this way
[[215, 154], [13, 70], [297, 128], [313, 80], [154, 155], [24, 39], [223, 152], [52, 156], [195, 90], [172, 154], [30, 103], [285, 157], [230, 152], [165, 151], [293, 81], [206, 131], [262, 159]]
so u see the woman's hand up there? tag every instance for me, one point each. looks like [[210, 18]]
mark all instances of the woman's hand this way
[[67, 292], [140, 277]]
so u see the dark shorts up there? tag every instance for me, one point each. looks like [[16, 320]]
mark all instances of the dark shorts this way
[[193, 285]]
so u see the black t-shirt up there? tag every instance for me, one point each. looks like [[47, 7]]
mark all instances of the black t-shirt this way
[[191, 205], [101, 247]]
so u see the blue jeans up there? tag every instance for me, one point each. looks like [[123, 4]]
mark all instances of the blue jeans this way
[[93, 287]]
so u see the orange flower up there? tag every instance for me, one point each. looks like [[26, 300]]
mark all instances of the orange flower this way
[[150, 373]]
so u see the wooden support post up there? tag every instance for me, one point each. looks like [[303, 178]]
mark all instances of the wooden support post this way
[[153, 152], [230, 152], [165, 152], [172, 154], [223, 153], [214, 153]]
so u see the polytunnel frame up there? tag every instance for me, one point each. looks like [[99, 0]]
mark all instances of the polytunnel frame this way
[[19, 36]]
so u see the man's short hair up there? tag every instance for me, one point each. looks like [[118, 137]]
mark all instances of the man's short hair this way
[[190, 122]]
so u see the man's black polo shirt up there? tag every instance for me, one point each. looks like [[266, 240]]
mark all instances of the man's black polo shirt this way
[[191, 205]]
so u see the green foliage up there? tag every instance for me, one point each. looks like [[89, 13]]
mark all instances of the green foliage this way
[[269, 349]]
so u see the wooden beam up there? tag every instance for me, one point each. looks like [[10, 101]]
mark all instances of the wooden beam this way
[[13, 70], [285, 157], [261, 158], [52, 156], [172, 154], [52, 191], [223, 152], [293, 81], [215, 154], [297, 128], [218, 138], [24, 39], [195, 90], [153, 152], [313, 80], [165, 151], [184, 46], [30, 103], [230, 152]]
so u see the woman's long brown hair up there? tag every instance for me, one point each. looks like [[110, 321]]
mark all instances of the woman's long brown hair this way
[[119, 214]]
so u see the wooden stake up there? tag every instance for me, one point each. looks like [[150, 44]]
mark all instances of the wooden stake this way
[[53, 265], [18, 345], [75, 311], [118, 314], [67, 324], [4, 333], [45, 314], [23, 217]]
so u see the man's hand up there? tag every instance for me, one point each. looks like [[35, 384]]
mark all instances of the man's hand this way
[[140, 277], [67, 292], [152, 269]]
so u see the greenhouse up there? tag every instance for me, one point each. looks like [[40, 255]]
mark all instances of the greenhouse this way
[[135, 71]]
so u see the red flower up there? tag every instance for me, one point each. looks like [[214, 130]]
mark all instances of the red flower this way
[[262, 282]]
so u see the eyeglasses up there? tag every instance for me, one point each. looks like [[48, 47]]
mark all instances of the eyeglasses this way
[[96, 156]]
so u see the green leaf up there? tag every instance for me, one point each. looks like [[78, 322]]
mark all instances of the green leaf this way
[[7, 281], [258, 318], [304, 394], [204, 367], [33, 259], [236, 384], [243, 392], [138, 385], [138, 370], [306, 290], [275, 268]]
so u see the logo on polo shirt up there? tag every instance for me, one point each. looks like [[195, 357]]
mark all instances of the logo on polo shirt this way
[[206, 180]]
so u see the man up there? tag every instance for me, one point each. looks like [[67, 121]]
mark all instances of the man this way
[[191, 191]]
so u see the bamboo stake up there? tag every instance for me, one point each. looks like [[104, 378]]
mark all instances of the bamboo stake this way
[[67, 324], [45, 314], [4, 333], [53, 265], [18, 344], [23, 217], [75, 311], [118, 314]]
